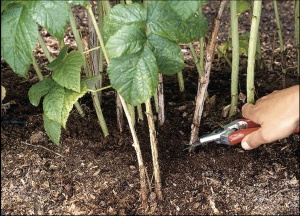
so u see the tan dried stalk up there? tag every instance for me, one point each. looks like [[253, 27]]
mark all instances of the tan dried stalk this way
[[153, 143], [204, 79]]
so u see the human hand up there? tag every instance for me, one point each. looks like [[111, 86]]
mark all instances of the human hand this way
[[278, 115]]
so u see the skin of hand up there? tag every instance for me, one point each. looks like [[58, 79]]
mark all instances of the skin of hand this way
[[278, 115]]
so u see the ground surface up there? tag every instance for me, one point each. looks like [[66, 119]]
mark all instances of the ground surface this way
[[90, 174]]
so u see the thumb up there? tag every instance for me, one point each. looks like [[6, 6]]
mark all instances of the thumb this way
[[253, 140]]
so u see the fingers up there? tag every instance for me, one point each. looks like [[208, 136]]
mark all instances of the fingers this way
[[247, 110], [253, 140]]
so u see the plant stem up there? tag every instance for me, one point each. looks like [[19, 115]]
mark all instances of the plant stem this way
[[153, 142], [161, 100], [132, 113], [225, 57], [155, 97], [44, 48], [204, 79], [278, 25], [99, 114], [90, 50], [37, 68], [201, 47], [100, 38], [50, 59], [196, 60], [79, 109], [77, 38], [94, 55], [259, 54], [100, 89], [235, 57], [283, 64], [201, 60], [99, 35], [297, 44], [101, 57], [140, 112], [180, 81], [119, 110], [87, 72], [136, 146], [257, 5], [106, 6]]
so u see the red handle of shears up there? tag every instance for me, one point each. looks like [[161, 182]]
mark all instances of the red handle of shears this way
[[237, 136]]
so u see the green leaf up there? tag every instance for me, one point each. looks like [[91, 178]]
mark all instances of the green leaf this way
[[128, 40], [244, 45], [162, 20], [141, 41], [40, 89], [5, 3], [18, 37], [91, 81], [242, 6], [56, 62], [67, 74], [168, 54], [192, 29], [59, 101], [57, 105], [70, 98], [222, 49], [53, 129], [53, 15], [121, 15], [134, 76], [184, 9], [53, 103]]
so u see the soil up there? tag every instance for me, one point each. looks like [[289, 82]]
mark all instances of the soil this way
[[90, 174]]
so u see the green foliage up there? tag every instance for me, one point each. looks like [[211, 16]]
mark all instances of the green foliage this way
[[57, 104], [52, 15], [19, 26], [185, 10], [18, 37], [243, 45], [168, 54], [58, 61], [90, 81], [242, 6], [128, 40], [19, 29], [60, 92], [135, 75], [39, 90], [141, 41], [5, 3], [53, 129], [144, 41], [66, 69], [67, 74], [192, 24]]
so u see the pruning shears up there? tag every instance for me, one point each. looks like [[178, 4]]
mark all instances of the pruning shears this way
[[230, 134]]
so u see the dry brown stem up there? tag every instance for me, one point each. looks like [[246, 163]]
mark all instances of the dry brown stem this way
[[204, 79]]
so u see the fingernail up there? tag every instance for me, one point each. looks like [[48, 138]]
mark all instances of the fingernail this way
[[246, 146]]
